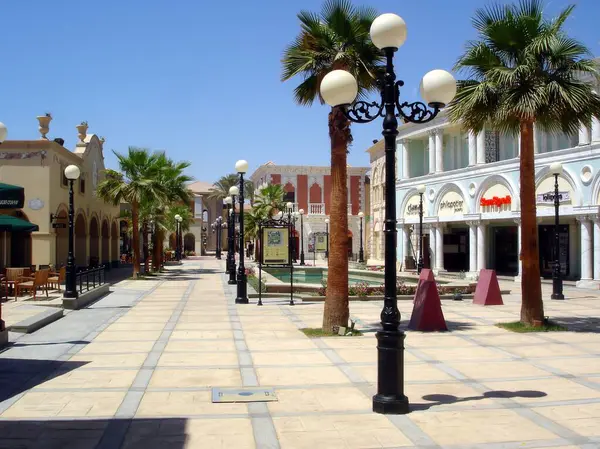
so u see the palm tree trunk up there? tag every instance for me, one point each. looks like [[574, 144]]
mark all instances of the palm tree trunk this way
[[135, 244], [145, 246], [532, 307], [155, 251], [336, 312]]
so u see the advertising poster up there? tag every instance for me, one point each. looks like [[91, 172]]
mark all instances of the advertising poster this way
[[321, 243], [276, 246]]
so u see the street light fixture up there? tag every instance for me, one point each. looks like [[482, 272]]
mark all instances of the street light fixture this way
[[557, 285], [327, 238], [295, 216], [301, 212], [420, 191], [72, 173], [219, 228], [361, 253], [178, 220], [340, 89], [233, 192], [227, 201], [241, 167]]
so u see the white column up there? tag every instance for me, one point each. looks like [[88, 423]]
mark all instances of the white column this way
[[586, 249], [405, 160], [574, 259], [481, 242], [439, 146], [584, 135], [481, 147], [407, 250], [595, 130], [597, 248], [472, 247], [519, 261], [439, 248], [432, 153], [472, 148], [536, 145], [401, 251]]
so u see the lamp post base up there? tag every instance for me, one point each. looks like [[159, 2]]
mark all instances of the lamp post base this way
[[242, 295], [232, 280], [390, 398], [557, 296], [302, 259]]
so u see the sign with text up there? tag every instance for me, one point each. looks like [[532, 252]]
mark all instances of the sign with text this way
[[452, 203], [321, 242], [548, 198], [276, 249]]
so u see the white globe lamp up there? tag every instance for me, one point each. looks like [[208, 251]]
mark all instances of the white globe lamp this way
[[338, 87]]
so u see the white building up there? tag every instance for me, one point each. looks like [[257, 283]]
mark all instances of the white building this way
[[471, 202]]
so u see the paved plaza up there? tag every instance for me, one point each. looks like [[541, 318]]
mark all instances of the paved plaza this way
[[135, 370]]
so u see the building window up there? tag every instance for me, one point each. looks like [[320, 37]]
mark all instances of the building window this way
[[81, 186], [289, 197]]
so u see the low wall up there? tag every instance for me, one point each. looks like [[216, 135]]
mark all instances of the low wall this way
[[86, 298]]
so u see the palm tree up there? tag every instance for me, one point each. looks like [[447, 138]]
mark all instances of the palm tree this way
[[221, 188], [524, 69], [337, 38], [137, 181], [251, 225], [270, 198]]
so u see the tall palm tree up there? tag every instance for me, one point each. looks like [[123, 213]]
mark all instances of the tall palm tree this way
[[221, 187], [336, 38], [251, 225], [270, 198], [136, 181], [525, 69]]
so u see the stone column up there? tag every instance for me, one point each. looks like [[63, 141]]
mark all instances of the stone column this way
[[432, 152], [432, 247], [584, 135], [439, 247], [481, 242], [439, 147], [405, 160], [472, 148], [473, 247], [595, 130], [586, 248], [481, 147], [519, 261], [597, 248]]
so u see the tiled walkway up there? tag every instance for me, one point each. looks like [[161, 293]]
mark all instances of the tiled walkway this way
[[135, 371]]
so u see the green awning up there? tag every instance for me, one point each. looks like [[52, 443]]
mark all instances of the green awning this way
[[14, 224], [11, 197]]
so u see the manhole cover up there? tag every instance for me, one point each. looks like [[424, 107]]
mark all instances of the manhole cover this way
[[248, 394]]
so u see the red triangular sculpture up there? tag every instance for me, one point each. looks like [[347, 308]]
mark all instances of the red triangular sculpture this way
[[427, 315], [487, 292], [426, 275]]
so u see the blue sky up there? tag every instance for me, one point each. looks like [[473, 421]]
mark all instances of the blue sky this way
[[202, 79]]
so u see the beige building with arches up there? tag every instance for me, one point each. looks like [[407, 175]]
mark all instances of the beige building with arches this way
[[38, 166]]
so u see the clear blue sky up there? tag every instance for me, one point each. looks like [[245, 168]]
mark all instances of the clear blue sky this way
[[201, 79]]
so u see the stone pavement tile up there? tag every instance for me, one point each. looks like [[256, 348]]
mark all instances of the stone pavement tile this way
[[132, 360], [49, 405], [462, 353], [122, 336], [268, 344], [350, 342], [194, 326], [203, 378], [250, 327], [573, 337], [484, 426], [200, 334], [367, 355], [82, 378], [417, 372], [301, 376], [200, 319], [274, 334], [134, 327], [190, 434], [590, 348], [320, 400], [315, 357], [186, 403], [199, 345], [555, 389], [576, 365], [221, 358], [355, 431], [548, 350], [583, 419], [111, 348], [419, 341], [510, 339], [428, 396], [498, 370], [155, 320]]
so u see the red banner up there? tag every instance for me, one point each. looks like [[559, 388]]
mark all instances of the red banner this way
[[495, 201]]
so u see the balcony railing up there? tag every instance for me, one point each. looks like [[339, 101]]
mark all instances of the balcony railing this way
[[316, 209]]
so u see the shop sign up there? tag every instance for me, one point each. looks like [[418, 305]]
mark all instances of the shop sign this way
[[495, 201], [412, 209], [456, 206], [548, 198]]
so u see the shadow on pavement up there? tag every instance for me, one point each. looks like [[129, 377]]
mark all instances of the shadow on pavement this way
[[167, 433], [579, 324], [19, 375], [444, 399]]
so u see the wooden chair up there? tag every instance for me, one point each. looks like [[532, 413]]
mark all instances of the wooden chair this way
[[12, 278], [57, 278], [32, 284]]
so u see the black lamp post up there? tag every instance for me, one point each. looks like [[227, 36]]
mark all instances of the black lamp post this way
[[301, 212], [295, 216], [327, 238], [242, 289], [72, 173], [219, 228], [339, 89], [178, 221], [227, 201], [233, 192], [420, 264], [361, 252], [557, 284]]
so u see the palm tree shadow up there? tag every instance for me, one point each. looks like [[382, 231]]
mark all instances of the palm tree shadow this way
[[445, 399]]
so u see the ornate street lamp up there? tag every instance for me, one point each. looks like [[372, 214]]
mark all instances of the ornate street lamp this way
[[557, 285], [178, 221], [361, 252], [295, 216], [327, 238], [219, 228], [421, 191], [227, 201], [301, 212], [241, 167], [233, 192], [72, 173], [340, 88]]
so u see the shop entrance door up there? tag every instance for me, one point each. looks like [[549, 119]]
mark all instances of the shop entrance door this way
[[426, 252], [506, 254], [456, 250], [547, 253]]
